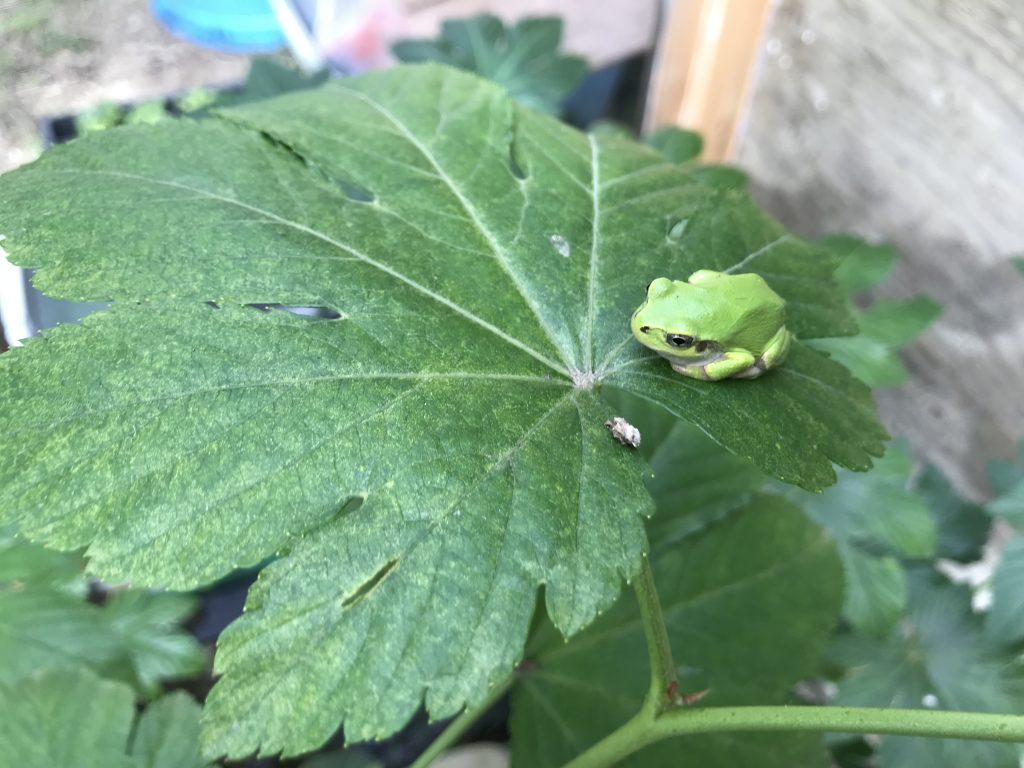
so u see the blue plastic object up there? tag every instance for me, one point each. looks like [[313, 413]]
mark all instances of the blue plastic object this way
[[232, 26]]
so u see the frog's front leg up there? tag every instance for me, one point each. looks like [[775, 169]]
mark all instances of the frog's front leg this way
[[703, 274], [774, 354], [729, 364]]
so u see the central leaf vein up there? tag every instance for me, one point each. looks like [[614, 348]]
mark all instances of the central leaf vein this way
[[595, 194]]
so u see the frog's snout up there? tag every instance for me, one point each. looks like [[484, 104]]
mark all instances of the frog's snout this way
[[644, 328]]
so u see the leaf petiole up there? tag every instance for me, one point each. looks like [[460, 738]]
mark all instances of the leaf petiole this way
[[660, 717], [457, 728], [644, 729], [663, 669]]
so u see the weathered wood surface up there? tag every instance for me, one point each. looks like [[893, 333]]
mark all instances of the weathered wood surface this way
[[702, 69], [902, 120]]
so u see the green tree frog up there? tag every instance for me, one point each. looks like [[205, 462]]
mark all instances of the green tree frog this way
[[715, 325]]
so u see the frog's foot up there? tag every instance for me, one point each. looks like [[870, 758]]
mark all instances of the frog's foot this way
[[729, 364], [702, 274], [774, 354]]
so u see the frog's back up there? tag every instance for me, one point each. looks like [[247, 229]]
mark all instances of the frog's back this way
[[746, 305]]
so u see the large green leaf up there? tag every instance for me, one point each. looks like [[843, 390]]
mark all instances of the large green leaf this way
[[425, 460], [936, 658], [764, 572]]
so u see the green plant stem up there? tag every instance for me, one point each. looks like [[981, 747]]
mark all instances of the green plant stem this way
[[663, 669], [457, 727], [644, 729], [661, 717]]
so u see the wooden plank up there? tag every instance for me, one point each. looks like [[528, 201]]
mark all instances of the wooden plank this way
[[901, 121], [703, 69]]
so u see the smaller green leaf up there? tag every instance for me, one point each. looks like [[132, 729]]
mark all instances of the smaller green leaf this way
[[73, 719], [875, 516], [878, 508], [23, 562], [1007, 480], [105, 115], [147, 113], [678, 145], [151, 645], [885, 327], [937, 658], [1004, 624], [1018, 262], [763, 572], [963, 527], [65, 719], [863, 265], [694, 481], [267, 78], [524, 58], [876, 590], [134, 637], [721, 176], [167, 734], [610, 130], [342, 758], [683, 147], [898, 322]]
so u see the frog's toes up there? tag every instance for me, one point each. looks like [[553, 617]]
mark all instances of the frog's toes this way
[[753, 371]]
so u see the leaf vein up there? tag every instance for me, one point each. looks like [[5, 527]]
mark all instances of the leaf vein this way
[[499, 253]]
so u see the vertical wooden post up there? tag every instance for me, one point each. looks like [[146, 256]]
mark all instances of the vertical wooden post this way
[[703, 68]]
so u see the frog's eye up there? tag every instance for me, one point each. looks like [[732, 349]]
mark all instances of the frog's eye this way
[[679, 339]]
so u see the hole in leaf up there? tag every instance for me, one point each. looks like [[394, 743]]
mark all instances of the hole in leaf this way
[[352, 191], [349, 506], [276, 143], [313, 313], [676, 231], [367, 586], [516, 162]]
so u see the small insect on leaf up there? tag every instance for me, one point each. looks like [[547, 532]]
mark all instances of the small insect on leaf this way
[[623, 431]]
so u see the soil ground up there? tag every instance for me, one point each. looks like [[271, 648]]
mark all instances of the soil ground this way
[[61, 57]]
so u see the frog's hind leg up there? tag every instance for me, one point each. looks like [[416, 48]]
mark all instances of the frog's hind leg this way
[[774, 354], [729, 364]]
